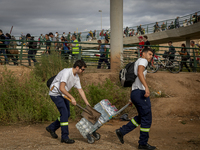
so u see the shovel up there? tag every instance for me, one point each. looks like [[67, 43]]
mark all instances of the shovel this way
[[88, 113]]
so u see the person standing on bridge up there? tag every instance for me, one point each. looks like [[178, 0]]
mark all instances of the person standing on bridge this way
[[163, 26], [156, 27], [140, 98], [177, 22]]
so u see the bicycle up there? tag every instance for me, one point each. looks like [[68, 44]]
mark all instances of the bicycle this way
[[163, 62]]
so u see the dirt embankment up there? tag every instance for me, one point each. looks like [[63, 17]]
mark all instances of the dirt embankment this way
[[175, 126]]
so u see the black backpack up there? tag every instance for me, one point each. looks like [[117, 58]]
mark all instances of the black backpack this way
[[50, 81], [127, 76]]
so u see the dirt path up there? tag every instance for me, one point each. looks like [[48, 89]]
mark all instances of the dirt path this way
[[176, 120], [166, 133]]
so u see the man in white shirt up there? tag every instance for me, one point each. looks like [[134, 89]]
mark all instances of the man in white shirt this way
[[53, 41], [63, 82], [140, 98]]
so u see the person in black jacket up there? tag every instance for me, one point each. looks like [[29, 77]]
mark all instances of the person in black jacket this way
[[184, 57], [156, 27], [32, 49], [145, 39], [172, 51], [3, 46]]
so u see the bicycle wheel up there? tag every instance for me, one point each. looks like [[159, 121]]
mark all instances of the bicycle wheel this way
[[152, 67], [175, 67]]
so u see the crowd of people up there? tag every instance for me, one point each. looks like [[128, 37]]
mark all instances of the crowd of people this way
[[52, 41], [64, 45], [177, 23], [128, 32], [184, 53], [8, 48]]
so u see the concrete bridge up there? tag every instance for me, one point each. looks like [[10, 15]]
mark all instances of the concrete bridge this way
[[181, 34], [187, 33]]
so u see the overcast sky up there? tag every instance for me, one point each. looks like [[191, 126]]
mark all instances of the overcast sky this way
[[44, 16]]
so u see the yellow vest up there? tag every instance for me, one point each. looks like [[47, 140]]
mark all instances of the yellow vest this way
[[75, 49]]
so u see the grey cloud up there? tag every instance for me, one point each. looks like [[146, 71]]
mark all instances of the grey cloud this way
[[43, 16]]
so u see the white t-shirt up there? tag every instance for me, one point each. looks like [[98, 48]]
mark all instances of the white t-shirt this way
[[66, 75], [137, 84]]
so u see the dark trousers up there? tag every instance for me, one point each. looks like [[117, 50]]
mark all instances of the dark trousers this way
[[185, 64], [75, 56], [62, 121], [192, 65], [144, 118], [4, 54], [66, 56], [101, 60], [31, 55], [171, 58]]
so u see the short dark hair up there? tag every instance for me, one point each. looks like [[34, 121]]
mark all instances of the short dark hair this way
[[170, 42], [50, 33], [145, 37], [80, 64], [192, 42], [1, 31], [8, 35], [183, 45], [146, 49], [28, 35]]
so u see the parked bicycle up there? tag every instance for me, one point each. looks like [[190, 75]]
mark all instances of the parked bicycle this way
[[165, 63]]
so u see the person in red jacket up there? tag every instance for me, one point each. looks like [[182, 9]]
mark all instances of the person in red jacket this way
[[141, 42]]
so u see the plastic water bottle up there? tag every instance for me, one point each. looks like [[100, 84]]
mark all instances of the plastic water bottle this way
[[114, 108], [81, 122], [87, 130]]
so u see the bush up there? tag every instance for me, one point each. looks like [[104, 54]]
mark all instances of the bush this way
[[28, 100], [24, 101], [50, 65]]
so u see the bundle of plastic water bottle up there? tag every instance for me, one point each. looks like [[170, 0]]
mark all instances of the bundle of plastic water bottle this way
[[106, 105], [107, 112]]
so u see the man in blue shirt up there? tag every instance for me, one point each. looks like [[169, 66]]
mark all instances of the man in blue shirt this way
[[103, 54], [65, 48]]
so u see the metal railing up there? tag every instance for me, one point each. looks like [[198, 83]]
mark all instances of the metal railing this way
[[149, 28], [18, 54]]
